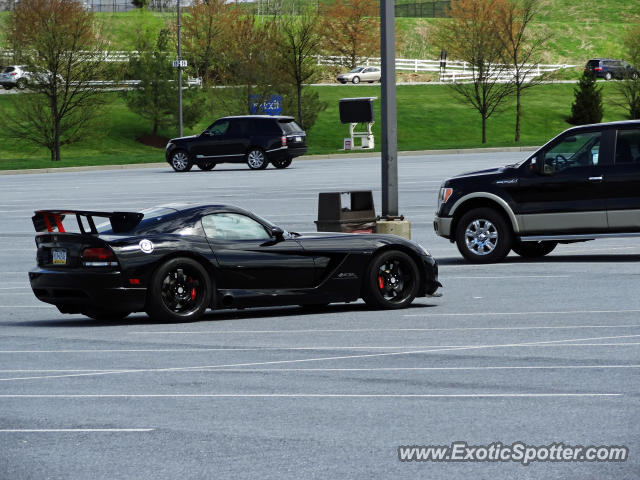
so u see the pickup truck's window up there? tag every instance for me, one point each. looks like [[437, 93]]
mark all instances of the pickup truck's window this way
[[627, 147], [580, 150]]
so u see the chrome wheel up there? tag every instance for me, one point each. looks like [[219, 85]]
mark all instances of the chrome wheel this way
[[180, 162], [481, 237], [256, 159]]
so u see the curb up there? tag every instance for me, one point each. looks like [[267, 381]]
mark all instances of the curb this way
[[331, 156]]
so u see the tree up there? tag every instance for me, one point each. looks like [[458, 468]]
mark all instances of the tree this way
[[471, 36], [297, 42], [587, 106], [61, 43], [155, 98], [522, 47], [205, 30], [629, 88], [351, 28]]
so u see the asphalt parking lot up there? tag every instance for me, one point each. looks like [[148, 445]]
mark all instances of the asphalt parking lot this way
[[540, 352]]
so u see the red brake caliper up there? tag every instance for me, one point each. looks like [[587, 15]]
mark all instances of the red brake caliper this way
[[193, 289], [380, 282]]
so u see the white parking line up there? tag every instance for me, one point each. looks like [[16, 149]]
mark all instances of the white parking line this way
[[485, 314], [73, 430], [320, 359], [369, 330], [317, 395], [500, 277]]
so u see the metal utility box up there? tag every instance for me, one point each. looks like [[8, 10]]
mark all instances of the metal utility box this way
[[354, 111], [360, 217]]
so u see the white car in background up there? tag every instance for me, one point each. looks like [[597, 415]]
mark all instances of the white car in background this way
[[20, 76], [361, 74]]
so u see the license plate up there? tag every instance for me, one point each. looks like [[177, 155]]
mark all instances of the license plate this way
[[59, 256], [298, 139]]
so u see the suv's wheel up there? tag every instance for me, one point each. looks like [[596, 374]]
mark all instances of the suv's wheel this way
[[392, 280], [356, 80], [206, 166], [7, 87], [180, 291], [608, 76], [284, 163], [256, 159], [180, 161], [483, 236], [21, 84], [533, 249]]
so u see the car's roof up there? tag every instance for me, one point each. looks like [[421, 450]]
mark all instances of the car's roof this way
[[619, 123]]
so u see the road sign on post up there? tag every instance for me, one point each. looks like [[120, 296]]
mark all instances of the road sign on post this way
[[179, 63]]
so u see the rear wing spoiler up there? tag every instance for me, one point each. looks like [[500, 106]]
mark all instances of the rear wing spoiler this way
[[51, 220]]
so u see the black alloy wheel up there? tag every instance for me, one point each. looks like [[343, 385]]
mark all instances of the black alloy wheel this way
[[180, 291], [392, 280]]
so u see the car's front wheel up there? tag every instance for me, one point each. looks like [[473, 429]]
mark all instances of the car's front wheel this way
[[206, 166], [180, 291], [483, 236], [256, 159], [284, 163], [534, 249], [180, 161], [356, 80], [392, 280]]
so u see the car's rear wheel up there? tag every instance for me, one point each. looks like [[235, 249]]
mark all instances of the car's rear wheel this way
[[533, 249], [102, 314], [256, 159], [180, 291], [483, 236], [392, 280], [608, 76], [180, 161], [282, 163], [206, 166]]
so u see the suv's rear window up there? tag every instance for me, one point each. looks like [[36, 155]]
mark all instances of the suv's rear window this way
[[593, 63], [290, 126], [8, 70]]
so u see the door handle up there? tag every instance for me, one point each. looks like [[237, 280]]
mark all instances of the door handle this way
[[595, 179]]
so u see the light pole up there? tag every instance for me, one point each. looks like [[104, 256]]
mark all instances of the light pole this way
[[389, 115], [179, 75]]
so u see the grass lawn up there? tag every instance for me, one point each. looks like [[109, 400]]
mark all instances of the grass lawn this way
[[429, 117]]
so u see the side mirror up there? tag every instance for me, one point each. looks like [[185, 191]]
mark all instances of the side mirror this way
[[277, 233]]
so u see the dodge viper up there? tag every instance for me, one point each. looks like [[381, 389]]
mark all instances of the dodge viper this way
[[176, 261]]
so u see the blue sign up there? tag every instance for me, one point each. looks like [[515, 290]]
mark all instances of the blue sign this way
[[271, 105]]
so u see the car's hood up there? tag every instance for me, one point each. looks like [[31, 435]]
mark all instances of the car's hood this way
[[487, 172], [183, 138]]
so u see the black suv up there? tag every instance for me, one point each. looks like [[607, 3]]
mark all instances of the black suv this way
[[608, 68], [255, 139], [582, 185]]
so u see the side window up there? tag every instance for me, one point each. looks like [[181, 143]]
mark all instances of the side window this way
[[233, 226], [579, 150], [218, 128], [627, 147], [238, 127]]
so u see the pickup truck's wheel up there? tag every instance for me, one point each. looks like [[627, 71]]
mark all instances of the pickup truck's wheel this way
[[180, 291], [533, 249], [392, 280], [483, 236], [256, 159], [180, 161]]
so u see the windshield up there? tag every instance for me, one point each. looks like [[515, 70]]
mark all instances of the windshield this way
[[356, 70]]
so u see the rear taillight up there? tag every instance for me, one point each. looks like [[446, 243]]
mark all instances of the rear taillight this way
[[597, 69], [284, 141], [98, 257], [14, 74]]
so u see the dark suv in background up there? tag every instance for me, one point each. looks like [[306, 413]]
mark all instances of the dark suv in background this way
[[608, 68], [582, 185], [255, 139]]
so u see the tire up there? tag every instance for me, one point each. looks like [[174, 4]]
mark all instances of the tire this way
[[256, 159], [392, 281], [21, 84], [206, 166], [180, 161], [180, 291], [608, 76], [533, 249], [356, 80], [7, 87], [483, 236], [282, 163], [98, 314]]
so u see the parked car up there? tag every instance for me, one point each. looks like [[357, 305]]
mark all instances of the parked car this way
[[608, 68], [176, 261], [255, 139], [581, 185], [361, 74]]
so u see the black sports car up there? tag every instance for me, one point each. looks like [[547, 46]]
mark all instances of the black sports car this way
[[176, 261]]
